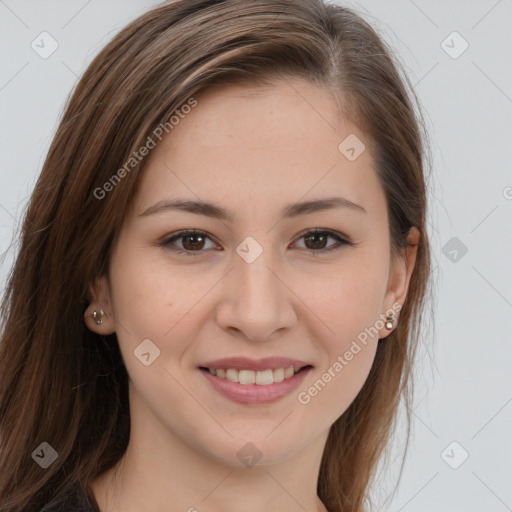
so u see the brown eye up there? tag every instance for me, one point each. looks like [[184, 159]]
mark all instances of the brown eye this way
[[316, 240], [191, 242]]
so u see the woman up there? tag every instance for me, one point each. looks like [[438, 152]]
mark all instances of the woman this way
[[222, 269]]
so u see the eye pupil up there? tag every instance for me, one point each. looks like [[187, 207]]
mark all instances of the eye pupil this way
[[192, 236], [316, 235]]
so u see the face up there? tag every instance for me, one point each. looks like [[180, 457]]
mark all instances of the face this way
[[258, 283]]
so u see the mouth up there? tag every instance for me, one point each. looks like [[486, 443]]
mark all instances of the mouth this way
[[255, 387], [255, 377]]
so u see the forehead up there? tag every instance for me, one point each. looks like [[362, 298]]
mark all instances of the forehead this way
[[260, 145], [279, 113]]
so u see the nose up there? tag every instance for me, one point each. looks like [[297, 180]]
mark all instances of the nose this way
[[256, 301]]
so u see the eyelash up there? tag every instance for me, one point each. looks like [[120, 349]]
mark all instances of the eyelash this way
[[182, 234]]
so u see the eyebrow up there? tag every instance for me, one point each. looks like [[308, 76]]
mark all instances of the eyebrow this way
[[217, 212]]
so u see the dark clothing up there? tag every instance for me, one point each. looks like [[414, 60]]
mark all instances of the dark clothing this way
[[76, 502]]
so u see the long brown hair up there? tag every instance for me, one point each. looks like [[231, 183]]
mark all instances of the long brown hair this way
[[63, 384]]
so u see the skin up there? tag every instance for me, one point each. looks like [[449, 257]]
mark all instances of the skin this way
[[252, 152]]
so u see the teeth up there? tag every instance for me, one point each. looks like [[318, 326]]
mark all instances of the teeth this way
[[261, 378]]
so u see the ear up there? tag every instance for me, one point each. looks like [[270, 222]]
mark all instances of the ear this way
[[400, 276], [98, 295]]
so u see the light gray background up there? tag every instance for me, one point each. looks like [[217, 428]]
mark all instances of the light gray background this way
[[464, 395]]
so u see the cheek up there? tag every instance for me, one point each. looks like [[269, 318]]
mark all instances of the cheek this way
[[150, 302], [350, 298], [350, 309], [153, 299], [148, 299]]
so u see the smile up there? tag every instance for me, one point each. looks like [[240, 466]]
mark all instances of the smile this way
[[255, 387], [261, 378]]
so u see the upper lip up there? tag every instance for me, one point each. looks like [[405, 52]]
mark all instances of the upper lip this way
[[244, 363]]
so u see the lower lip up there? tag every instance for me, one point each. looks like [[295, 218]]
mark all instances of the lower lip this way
[[254, 393]]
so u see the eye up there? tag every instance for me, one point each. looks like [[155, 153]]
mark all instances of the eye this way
[[192, 241], [318, 237]]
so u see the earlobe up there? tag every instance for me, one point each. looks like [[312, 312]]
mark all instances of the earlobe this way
[[98, 315], [400, 278]]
